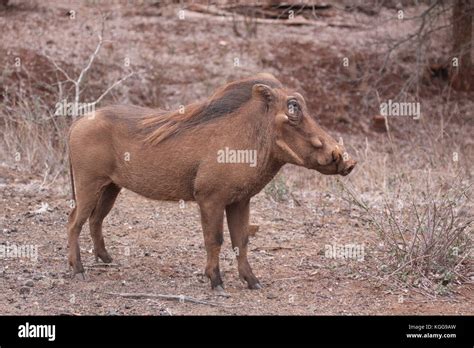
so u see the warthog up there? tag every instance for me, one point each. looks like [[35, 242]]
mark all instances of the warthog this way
[[173, 156]]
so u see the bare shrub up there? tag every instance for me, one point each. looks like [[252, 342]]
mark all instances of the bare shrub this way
[[418, 197], [425, 232], [32, 137], [34, 134]]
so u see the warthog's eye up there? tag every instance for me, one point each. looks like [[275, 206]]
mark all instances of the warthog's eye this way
[[294, 111], [293, 106]]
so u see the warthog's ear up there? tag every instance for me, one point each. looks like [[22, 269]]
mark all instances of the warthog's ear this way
[[264, 92]]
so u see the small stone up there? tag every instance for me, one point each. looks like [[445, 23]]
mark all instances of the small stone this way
[[30, 283], [165, 312], [24, 290]]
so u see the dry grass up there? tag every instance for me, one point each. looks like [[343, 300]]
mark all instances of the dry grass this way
[[33, 139], [418, 197]]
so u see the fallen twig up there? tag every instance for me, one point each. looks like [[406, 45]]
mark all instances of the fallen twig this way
[[202, 11], [107, 265], [70, 314], [272, 248], [179, 298]]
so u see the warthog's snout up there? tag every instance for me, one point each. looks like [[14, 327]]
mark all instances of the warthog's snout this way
[[345, 164], [349, 165]]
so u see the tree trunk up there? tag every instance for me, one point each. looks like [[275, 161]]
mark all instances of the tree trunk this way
[[463, 75]]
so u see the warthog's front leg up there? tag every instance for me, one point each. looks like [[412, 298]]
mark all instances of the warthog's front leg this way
[[212, 219], [239, 228]]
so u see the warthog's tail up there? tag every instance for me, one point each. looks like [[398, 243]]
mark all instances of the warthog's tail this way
[[72, 180]]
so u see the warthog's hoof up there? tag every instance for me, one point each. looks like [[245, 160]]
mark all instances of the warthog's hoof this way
[[246, 276], [218, 288], [79, 276], [104, 256], [76, 267], [256, 286]]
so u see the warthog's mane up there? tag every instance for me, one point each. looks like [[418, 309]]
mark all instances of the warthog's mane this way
[[225, 102]]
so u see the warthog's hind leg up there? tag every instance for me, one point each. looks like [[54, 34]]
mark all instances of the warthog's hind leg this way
[[87, 196], [212, 219], [103, 207], [239, 228]]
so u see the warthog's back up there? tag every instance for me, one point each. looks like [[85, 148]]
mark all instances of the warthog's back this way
[[110, 144]]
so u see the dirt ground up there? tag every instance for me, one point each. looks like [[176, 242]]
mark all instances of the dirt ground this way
[[158, 249], [158, 246]]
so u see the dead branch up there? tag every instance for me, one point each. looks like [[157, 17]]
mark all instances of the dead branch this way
[[201, 11], [273, 248], [179, 298], [105, 265], [116, 83], [78, 82]]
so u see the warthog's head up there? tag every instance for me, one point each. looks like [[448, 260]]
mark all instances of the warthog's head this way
[[298, 137]]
